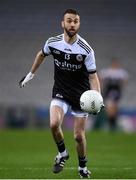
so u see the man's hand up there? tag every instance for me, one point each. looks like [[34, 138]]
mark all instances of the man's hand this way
[[102, 107], [26, 79]]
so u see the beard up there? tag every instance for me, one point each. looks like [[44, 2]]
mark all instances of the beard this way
[[71, 32]]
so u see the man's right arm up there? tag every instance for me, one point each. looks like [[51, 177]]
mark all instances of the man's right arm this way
[[37, 62]]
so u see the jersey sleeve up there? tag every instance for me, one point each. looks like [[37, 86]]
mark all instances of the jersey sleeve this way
[[90, 62], [46, 49]]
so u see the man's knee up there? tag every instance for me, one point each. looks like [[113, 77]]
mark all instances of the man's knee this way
[[54, 125], [79, 137]]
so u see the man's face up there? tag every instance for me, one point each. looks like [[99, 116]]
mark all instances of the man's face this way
[[71, 24]]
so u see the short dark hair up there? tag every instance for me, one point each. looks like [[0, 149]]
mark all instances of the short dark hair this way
[[71, 11]]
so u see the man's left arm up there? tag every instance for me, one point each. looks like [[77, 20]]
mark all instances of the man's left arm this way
[[94, 82], [95, 85]]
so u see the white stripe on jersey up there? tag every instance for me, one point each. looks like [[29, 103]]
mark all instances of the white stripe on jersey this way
[[55, 39]]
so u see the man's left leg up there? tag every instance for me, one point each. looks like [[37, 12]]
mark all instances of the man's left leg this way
[[79, 135]]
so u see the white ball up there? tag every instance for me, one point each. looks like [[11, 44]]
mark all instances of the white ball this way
[[91, 101]]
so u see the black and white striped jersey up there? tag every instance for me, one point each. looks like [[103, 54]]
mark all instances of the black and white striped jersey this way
[[72, 64]]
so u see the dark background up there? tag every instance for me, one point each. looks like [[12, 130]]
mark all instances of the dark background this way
[[109, 26]]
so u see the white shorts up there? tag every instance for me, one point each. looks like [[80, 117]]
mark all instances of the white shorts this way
[[65, 106]]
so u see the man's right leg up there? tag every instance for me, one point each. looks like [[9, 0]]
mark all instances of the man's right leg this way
[[57, 112]]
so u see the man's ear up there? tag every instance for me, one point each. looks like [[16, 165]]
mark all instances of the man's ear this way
[[62, 24]]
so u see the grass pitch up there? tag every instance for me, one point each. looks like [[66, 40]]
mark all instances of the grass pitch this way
[[29, 154]]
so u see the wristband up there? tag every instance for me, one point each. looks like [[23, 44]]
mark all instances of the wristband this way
[[28, 77]]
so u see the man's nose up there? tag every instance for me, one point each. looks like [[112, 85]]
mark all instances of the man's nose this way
[[72, 24]]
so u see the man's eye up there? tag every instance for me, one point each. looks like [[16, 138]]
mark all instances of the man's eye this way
[[69, 21]]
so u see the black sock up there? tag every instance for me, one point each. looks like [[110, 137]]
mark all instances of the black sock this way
[[82, 161], [61, 146]]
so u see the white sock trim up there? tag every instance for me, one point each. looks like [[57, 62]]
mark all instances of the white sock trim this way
[[82, 168], [64, 153]]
